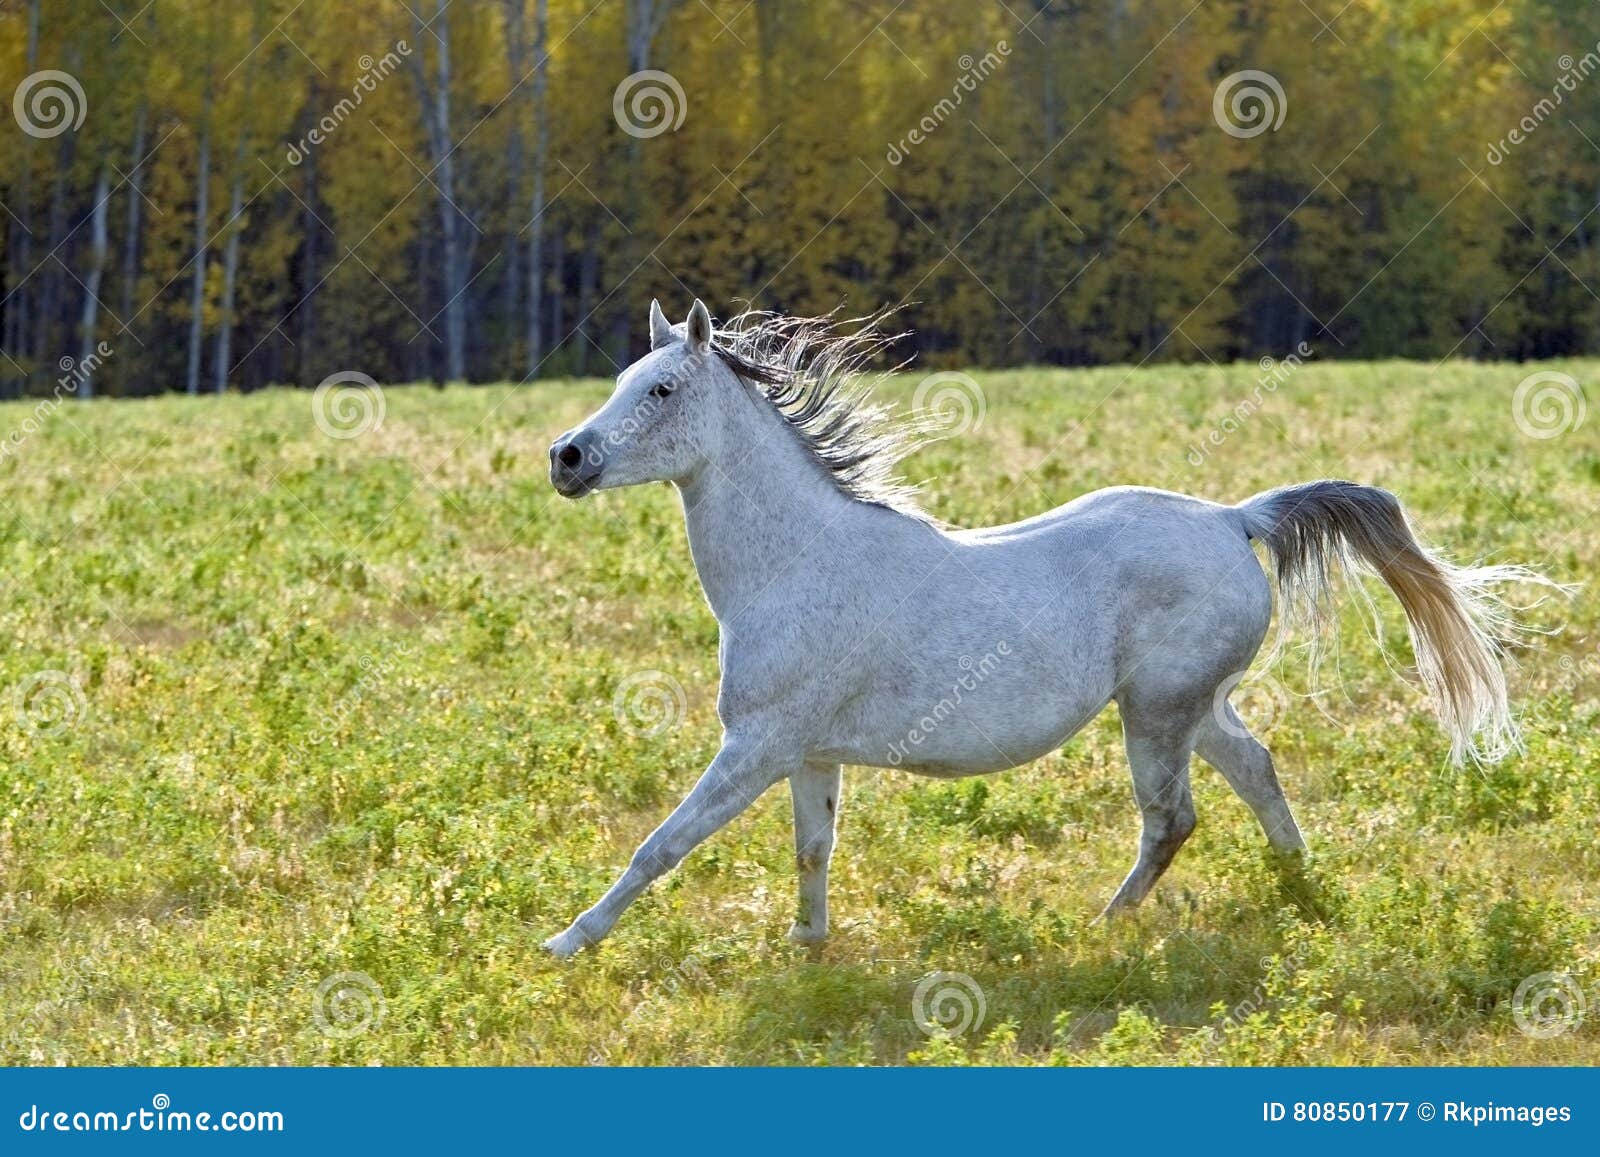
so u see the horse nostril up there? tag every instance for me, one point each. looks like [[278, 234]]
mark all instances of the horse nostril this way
[[571, 457]]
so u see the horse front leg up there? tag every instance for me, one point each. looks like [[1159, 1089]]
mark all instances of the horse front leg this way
[[737, 775], [815, 791]]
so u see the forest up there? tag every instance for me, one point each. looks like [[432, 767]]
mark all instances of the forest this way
[[208, 197]]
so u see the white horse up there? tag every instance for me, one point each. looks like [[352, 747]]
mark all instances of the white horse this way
[[856, 629]]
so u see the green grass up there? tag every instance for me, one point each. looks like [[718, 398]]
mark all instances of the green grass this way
[[348, 707]]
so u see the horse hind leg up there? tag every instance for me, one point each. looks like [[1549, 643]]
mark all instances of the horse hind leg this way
[[1227, 745], [1159, 744]]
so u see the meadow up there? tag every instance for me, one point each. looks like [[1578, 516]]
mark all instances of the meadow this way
[[309, 742]]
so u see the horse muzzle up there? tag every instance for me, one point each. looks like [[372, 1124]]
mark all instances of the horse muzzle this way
[[575, 465]]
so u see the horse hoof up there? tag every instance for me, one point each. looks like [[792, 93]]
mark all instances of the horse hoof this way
[[804, 936], [567, 945], [1115, 911]]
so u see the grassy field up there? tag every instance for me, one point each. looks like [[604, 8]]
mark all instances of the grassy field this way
[[282, 709]]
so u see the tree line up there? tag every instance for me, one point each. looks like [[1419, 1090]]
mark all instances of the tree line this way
[[205, 197]]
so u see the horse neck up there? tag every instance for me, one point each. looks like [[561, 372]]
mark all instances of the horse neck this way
[[752, 515]]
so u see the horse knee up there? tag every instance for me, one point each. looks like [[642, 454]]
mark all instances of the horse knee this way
[[1186, 820], [1182, 826], [1168, 830], [656, 857]]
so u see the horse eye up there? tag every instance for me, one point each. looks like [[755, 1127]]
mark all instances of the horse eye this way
[[660, 390]]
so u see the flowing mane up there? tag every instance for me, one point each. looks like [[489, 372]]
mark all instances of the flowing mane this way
[[814, 372]]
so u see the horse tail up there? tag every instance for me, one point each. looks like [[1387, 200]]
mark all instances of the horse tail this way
[[1458, 625]]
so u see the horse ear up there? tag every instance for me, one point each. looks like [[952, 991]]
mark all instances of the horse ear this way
[[698, 327], [660, 331]]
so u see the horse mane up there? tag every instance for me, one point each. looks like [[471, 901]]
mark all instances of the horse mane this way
[[814, 373]]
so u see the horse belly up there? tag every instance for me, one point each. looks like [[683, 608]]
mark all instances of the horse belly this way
[[966, 728]]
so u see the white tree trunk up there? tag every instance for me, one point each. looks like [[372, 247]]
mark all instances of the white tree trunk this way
[[91, 282], [541, 150], [130, 243], [435, 100], [197, 286], [230, 273]]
